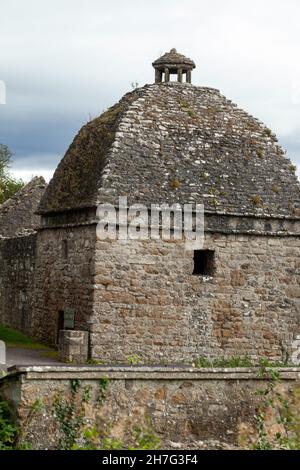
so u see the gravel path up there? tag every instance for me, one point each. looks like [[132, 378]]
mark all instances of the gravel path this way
[[29, 357]]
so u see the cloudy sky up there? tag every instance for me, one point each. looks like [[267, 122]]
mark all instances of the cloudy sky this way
[[64, 61]]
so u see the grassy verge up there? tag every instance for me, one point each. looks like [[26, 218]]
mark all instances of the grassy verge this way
[[16, 339]]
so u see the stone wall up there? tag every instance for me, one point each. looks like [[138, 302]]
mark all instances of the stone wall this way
[[63, 279], [148, 302], [141, 298], [18, 215], [18, 222], [17, 264], [182, 405]]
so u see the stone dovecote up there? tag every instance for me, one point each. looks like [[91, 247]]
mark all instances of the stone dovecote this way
[[173, 142]]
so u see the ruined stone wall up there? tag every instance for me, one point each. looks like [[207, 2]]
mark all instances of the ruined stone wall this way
[[184, 406], [148, 302], [18, 215], [17, 264], [63, 279]]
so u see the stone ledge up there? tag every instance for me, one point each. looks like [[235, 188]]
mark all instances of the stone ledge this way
[[144, 373]]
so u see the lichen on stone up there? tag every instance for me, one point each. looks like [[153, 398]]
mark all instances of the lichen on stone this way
[[171, 131]]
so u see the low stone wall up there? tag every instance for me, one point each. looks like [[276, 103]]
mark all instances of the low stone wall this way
[[184, 405]]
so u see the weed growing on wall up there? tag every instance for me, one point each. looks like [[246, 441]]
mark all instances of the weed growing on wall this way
[[278, 417], [69, 413]]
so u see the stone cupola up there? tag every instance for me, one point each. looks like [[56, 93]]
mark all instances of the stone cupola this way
[[173, 63]]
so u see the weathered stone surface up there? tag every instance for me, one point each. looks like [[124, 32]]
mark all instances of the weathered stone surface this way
[[184, 406], [173, 63], [17, 264], [174, 58], [18, 215], [63, 280], [162, 312], [168, 315], [73, 346], [18, 223], [164, 133]]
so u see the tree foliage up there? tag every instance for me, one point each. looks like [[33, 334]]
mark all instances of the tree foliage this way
[[8, 185]]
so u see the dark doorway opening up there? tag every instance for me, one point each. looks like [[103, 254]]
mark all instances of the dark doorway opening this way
[[60, 324]]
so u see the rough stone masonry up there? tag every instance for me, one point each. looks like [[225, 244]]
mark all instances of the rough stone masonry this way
[[171, 142], [187, 408]]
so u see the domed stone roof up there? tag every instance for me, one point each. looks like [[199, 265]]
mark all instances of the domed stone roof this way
[[174, 58], [172, 142], [173, 63]]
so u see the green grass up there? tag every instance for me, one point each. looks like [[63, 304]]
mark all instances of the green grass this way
[[51, 355], [232, 362], [16, 339]]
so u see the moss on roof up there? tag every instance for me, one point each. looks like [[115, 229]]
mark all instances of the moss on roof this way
[[78, 175], [171, 143]]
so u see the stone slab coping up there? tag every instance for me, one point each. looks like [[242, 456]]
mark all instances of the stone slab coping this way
[[85, 372]]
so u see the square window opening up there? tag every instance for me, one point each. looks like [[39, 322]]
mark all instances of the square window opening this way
[[204, 263]]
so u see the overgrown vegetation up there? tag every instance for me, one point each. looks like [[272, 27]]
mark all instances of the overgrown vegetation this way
[[275, 189], [257, 200], [261, 153], [268, 132], [203, 362], [11, 437], [134, 85], [175, 184], [134, 360], [8, 431], [278, 416], [142, 438], [103, 389], [69, 412], [78, 174], [8, 185], [189, 110], [238, 361], [95, 362]]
